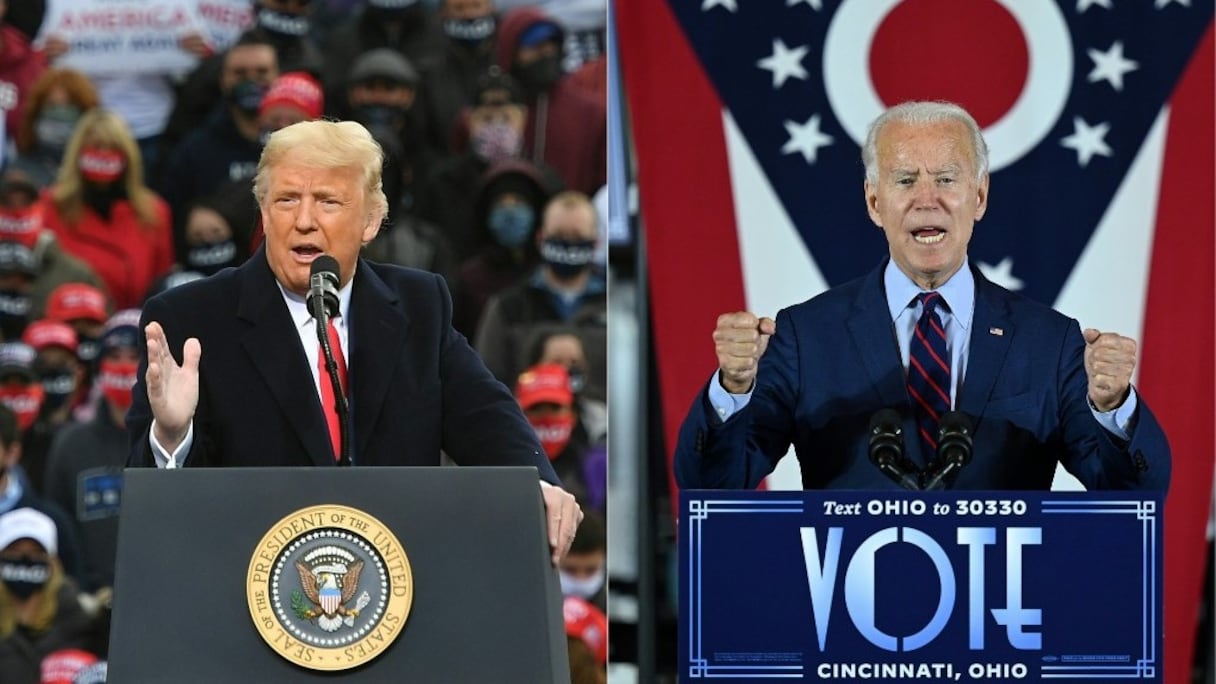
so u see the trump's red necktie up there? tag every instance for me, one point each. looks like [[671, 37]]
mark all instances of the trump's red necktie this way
[[929, 373], [329, 402]]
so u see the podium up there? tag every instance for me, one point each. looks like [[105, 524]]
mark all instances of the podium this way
[[303, 574], [940, 586]]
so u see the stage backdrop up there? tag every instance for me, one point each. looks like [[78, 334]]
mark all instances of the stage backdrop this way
[[748, 117]]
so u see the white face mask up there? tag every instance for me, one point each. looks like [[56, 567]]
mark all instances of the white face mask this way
[[582, 588]]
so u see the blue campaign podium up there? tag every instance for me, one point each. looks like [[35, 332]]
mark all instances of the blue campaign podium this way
[[932, 586]]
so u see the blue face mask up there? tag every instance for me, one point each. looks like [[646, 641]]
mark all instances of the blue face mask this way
[[511, 225], [382, 117]]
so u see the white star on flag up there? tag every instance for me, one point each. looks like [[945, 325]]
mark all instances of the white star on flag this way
[[1001, 274], [1162, 3], [1083, 5], [1087, 140], [784, 62], [1110, 66], [813, 4], [806, 138], [710, 4]]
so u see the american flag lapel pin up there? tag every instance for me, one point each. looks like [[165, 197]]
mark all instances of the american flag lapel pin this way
[[996, 331]]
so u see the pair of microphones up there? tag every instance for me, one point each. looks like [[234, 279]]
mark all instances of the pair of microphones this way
[[887, 449]]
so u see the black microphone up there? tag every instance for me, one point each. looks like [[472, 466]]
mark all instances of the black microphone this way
[[323, 287], [323, 304], [887, 447], [953, 446]]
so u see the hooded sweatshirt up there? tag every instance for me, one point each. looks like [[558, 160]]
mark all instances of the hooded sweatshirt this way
[[566, 128]]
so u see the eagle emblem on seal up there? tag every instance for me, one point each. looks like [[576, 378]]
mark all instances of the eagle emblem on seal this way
[[329, 577]]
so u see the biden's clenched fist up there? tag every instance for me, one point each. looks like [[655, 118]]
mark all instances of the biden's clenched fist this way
[[1110, 359], [740, 339]]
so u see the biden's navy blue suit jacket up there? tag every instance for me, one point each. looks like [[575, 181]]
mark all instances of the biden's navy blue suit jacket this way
[[834, 361], [416, 387]]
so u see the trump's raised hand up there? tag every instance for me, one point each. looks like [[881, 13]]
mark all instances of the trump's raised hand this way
[[1110, 359], [740, 339], [172, 388]]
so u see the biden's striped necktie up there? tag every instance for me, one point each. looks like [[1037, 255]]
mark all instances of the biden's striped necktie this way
[[929, 373]]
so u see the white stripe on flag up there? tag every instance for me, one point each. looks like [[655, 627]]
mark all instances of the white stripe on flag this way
[[1108, 287], [777, 267]]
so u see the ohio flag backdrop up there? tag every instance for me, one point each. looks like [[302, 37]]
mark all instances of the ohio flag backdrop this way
[[748, 117]]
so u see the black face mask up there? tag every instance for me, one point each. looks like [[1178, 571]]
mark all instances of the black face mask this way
[[247, 97], [578, 379], [567, 259], [408, 12], [282, 26], [24, 577], [101, 198], [58, 382], [87, 349], [539, 76], [14, 313], [209, 258], [19, 258], [470, 32]]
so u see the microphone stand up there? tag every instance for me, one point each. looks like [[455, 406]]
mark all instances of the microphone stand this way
[[900, 477], [938, 481], [954, 444], [320, 315]]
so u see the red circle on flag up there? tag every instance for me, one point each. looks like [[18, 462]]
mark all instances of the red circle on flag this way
[[931, 50]]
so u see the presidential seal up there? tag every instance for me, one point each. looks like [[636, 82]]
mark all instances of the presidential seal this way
[[329, 587]]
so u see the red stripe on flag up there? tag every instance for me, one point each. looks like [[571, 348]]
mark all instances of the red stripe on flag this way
[[686, 204], [1177, 370]]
